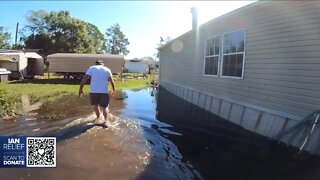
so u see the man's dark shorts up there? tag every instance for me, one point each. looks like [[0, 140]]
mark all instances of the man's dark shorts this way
[[101, 99]]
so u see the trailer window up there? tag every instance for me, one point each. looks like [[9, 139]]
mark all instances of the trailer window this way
[[211, 60], [233, 54]]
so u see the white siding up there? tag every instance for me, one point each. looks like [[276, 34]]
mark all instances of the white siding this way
[[282, 57]]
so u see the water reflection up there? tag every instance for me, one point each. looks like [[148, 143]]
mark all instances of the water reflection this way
[[166, 160], [221, 150]]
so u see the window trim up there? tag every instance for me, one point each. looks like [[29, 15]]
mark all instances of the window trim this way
[[205, 56], [244, 53]]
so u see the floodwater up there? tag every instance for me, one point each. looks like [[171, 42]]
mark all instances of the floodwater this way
[[132, 148], [152, 140]]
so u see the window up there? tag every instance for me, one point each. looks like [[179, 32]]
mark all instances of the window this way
[[233, 54], [211, 61]]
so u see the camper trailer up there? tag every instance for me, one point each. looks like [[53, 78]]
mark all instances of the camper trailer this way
[[21, 64], [136, 66], [74, 65]]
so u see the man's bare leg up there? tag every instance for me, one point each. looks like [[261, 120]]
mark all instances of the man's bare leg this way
[[106, 115], [97, 111]]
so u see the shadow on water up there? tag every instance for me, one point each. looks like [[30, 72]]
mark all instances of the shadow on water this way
[[221, 150], [74, 131]]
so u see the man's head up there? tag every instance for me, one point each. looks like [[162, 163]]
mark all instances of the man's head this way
[[99, 62]]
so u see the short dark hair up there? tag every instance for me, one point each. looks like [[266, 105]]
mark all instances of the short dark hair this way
[[99, 62]]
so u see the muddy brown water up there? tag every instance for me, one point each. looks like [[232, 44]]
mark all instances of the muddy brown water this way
[[129, 149], [151, 140]]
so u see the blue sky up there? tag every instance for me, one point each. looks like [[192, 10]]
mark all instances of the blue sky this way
[[143, 22]]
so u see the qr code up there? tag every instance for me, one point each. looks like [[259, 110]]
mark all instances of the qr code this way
[[41, 152]]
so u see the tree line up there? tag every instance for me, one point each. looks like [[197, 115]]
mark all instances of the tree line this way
[[58, 32]]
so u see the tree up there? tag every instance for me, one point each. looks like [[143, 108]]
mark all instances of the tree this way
[[164, 41], [116, 41], [161, 43], [39, 41], [149, 60], [4, 39], [97, 38], [59, 32], [68, 34], [36, 22]]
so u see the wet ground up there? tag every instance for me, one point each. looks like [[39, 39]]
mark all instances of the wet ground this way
[[143, 143]]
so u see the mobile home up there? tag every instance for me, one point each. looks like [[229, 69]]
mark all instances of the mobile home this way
[[21, 64], [76, 64], [257, 67], [136, 66]]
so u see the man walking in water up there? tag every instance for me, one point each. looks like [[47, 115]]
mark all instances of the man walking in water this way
[[99, 97]]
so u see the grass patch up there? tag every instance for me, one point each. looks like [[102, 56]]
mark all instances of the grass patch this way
[[7, 104]]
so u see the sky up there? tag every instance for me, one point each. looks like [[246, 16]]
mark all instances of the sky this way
[[143, 22]]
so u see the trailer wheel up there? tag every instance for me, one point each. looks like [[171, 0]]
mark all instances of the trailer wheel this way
[[66, 76], [78, 76]]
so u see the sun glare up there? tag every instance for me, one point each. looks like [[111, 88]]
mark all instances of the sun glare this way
[[208, 10], [179, 21]]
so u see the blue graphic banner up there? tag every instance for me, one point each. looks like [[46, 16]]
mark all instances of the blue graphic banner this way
[[12, 151]]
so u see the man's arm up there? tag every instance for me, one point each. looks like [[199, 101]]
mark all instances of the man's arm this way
[[113, 92], [83, 82]]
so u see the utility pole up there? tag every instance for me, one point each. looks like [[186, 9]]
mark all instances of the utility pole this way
[[16, 39]]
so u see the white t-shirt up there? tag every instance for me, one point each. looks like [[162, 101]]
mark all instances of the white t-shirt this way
[[99, 78]]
